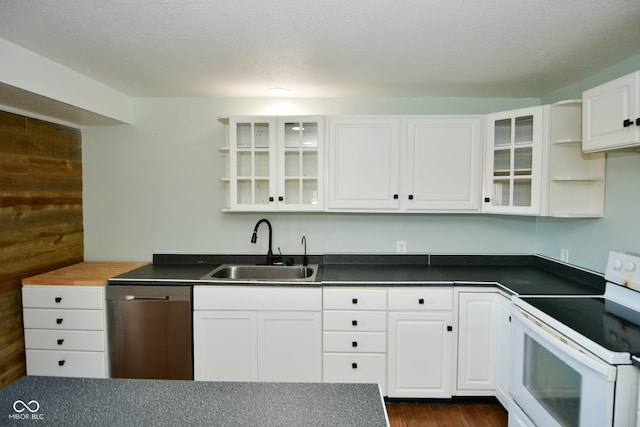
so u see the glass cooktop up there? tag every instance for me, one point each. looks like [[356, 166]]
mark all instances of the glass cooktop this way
[[608, 324]]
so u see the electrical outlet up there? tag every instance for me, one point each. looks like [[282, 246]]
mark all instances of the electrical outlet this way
[[564, 255], [401, 246]]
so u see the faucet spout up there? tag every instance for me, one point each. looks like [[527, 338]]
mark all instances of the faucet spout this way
[[305, 260], [254, 238]]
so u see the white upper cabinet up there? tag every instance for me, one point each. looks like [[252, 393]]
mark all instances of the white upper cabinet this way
[[611, 115], [405, 164], [443, 164], [275, 163], [513, 162], [364, 163]]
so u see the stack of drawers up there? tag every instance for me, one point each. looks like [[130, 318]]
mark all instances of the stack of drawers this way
[[64, 330], [355, 335]]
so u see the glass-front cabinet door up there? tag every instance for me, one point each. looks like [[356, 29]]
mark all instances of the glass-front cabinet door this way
[[275, 163], [301, 160], [513, 162]]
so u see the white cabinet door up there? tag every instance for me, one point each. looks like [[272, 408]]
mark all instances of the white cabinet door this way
[[420, 354], [611, 114], [476, 342], [513, 167], [503, 356], [364, 163], [443, 164], [225, 345], [290, 346]]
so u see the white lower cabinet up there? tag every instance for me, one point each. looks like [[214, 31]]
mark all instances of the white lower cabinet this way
[[477, 314], [355, 335], [245, 333], [64, 331], [420, 346]]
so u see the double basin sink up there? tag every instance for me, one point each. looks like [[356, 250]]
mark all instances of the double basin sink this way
[[262, 273]]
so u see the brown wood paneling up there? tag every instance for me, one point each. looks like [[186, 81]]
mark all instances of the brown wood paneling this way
[[41, 225]]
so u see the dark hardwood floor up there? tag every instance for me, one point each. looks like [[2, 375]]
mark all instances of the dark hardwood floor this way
[[465, 413]]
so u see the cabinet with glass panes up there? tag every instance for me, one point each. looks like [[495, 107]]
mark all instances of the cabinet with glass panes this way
[[513, 156], [275, 163]]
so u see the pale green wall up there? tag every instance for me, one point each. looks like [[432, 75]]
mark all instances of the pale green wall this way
[[155, 186], [589, 241]]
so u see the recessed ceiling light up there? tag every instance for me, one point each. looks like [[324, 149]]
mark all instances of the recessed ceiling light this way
[[278, 90]]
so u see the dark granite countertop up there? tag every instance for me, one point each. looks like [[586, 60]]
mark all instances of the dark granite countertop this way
[[121, 402], [518, 274]]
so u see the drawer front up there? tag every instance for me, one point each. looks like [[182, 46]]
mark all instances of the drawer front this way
[[90, 364], [43, 318], [421, 299], [355, 342], [355, 368], [87, 297], [354, 298], [355, 321], [45, 339], [257, 298]]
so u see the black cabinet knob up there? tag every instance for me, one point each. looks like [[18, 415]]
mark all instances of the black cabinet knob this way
[[627, 123], [354, 365], [354, 322], [60, 341], [410, 196], [354, 343], [59, 321], [638, 121], [61, 362], [354, 300], [271, 199], [487, 200], [280, 198], [449, 328], [395, 196], [421, 301], [58, 299]]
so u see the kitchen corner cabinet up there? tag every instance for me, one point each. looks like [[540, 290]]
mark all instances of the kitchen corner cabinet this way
[[404, 164], [513, 161], [611, 116], [420, 347], [477, 340], [355, 335], [245, 333], [275, 163], [64, 331]]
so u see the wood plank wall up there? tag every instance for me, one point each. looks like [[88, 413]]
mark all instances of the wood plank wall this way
[[40, 218]]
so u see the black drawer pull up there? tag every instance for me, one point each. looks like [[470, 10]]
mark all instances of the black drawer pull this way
[[61, 362], [58, 299], [410, 196], [354, 365], [395, 197], [354, 300], [59, 321], [354, 323], [421, 301], [60, 341], [354, 343]]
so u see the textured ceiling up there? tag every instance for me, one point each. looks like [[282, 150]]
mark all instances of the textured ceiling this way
[[328, 48]]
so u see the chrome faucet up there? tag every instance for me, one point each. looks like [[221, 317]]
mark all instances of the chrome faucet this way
[[305, 260], [254, 238]]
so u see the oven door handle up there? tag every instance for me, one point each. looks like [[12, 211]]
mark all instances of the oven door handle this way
[[573, 350]]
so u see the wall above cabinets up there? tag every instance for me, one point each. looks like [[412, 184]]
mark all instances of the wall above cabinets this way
[[532, 165]]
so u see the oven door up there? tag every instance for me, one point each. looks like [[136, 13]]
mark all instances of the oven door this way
[[554, 381]]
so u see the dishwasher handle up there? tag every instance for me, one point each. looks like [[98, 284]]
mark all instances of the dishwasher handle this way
[[146, 298]]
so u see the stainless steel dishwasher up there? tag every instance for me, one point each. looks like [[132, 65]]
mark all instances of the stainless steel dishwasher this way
[[149, 329]]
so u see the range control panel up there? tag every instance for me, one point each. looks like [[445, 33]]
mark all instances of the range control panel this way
[[624, 269]]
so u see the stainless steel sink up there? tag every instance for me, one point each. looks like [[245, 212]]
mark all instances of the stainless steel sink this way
[[263, 273]]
